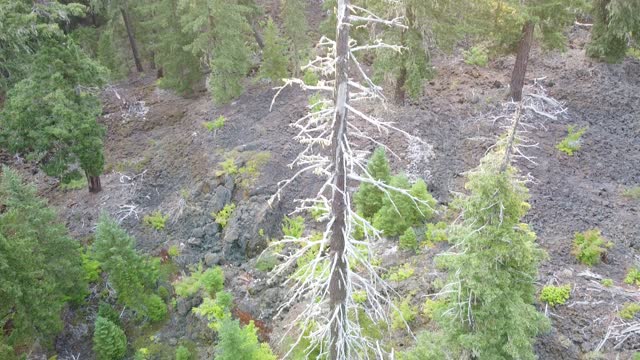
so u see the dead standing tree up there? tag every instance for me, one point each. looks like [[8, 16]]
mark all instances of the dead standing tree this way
[[339, 264]]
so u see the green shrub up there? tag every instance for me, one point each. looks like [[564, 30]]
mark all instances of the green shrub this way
[[477, 55], [156, 308], [435, 233], [223, 216], [211, 280], [629, 310], [91, 267], [109, 341], [174, 251], [141, 354], [572, 142], [236, 342], [430, 307], [106, 311], [632, 193], [293, 227], [250, 172], [633, 277], [216, 124], [183, 353], [401, 273], [606, 282], [359, 297], [408, 240], [267, 261], [555, 295], [73, 184], [163, 292], [229, 167], [310, 78], [368, 198], [156, 220], [589, 247], [318, 212], [404, 314]]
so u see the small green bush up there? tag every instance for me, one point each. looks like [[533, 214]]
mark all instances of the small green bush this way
[[555, 295], [163, 292], [267, 261], [589, 247], [629, 310], [632, 193], [430, 307], [156, 308], [156, 220], [633, 277], [183, 353], [74, 184], [216, 124], [223, 216], [606, 282], [211, 280], [477, 55], [106, 311], [401, 273], [109, 341], [408, 240], [359, 297], [435, 233], [310, 78], [91, 267], [572, 142], [293, 227], [404, 314], [142, 354]]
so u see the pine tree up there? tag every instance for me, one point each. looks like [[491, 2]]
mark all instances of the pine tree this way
[[615, 22], [368, 198], [240, 343], [109, 341], [51, 115], [178, 68], [218, 29], [489, 311], [274, 57], [131, 275], [295, 27], [40, 265]]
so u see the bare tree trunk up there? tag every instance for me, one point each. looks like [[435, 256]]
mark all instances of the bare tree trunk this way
[[94, 184], [337, 282], [522, 60], [132, 40], [256, 34]]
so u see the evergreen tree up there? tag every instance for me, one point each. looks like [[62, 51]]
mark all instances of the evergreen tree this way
[[51, 115], [295, 24], [179, 68], [109, 341], [218, 29], [368, 198], [240, 343], [131, 275], [615, 22], [489, 311], [40, 265], [274, 57]]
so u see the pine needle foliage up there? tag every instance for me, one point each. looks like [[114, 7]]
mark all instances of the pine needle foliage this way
[[109, 341], [132, 276], [240, 343], [616, 21], [51, 115], [40, 265], [490, 311], [368, 198], [274, 56], [296, 26]]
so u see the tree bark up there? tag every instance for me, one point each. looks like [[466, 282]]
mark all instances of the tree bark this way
[[256, 34], [337, 283], [522, 60], [94, 184], [132, 39]]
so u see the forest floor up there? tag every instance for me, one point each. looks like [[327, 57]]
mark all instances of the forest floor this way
[[161, 157]]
